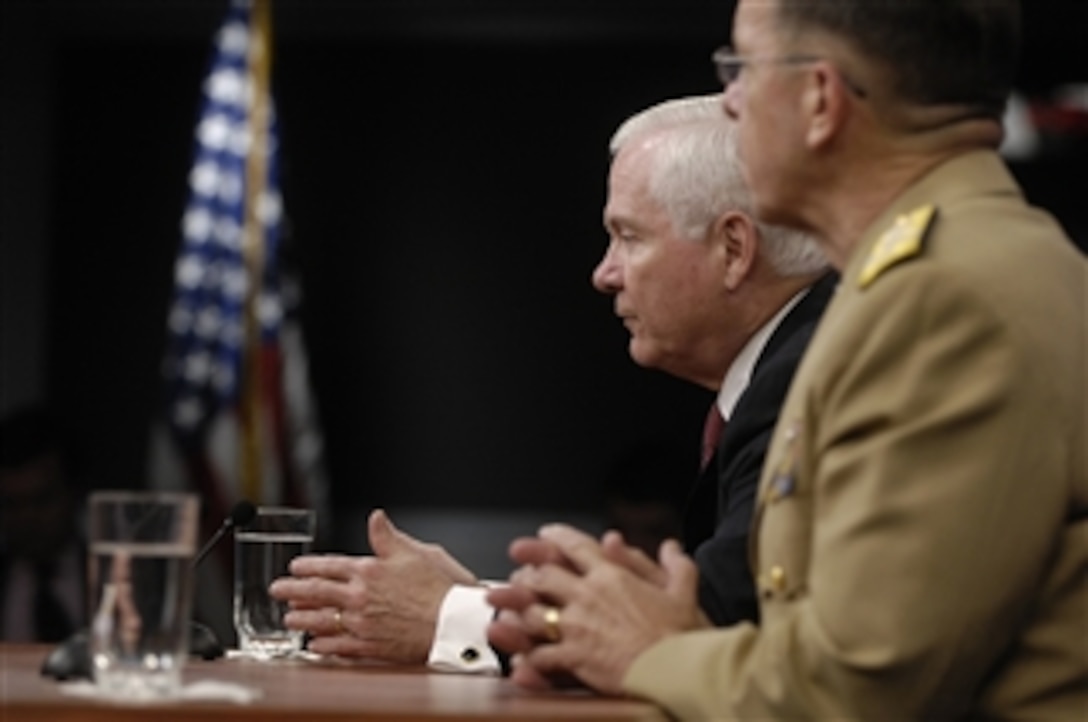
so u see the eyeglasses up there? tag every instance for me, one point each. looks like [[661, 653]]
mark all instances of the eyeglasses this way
[[730, 65]]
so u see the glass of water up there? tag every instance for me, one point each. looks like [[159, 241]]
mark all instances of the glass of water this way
[[263, 549], [141, 585]]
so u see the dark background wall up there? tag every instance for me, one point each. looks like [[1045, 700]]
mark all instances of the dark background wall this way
[[444, 167]]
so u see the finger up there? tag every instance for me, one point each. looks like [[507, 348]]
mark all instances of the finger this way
[[681, 572], [330, 566], [616, 550], [535, 551], [507, 633], [535, 622], [577, 546], [547, 659], [310, 592], [384, 536], [550, 583], [513, 632], [284, 589], [296, 604], [342, 644], [382, 533], [525, 675], [290, 589], [318, 622], [510, 597]]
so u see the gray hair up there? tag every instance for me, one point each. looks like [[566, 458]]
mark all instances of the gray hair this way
[[697, 176]]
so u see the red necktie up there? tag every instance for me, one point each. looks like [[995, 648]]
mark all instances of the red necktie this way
[[712, 431]]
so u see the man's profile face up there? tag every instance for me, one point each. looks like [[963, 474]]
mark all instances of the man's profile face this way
[[762, 100], [664, 285]]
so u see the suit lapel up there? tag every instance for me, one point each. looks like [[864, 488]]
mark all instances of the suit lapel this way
[[807, 310], [705, 499]]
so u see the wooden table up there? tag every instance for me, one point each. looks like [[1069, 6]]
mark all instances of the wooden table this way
[[319, 691]]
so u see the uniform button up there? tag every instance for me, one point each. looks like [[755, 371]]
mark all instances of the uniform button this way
[[469, 655], [778, 578], [773, 582]]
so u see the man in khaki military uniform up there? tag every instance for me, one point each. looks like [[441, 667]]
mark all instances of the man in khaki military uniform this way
[[921, 536]]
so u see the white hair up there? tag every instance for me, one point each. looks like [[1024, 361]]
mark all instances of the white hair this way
[[697, 176]]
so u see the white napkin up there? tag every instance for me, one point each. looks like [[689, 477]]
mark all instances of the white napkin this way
[[204, 690]]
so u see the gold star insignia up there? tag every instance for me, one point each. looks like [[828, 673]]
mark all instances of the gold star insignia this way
[[903, 240]]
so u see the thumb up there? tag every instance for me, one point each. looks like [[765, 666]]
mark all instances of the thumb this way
[[384, 537], [681, 574]]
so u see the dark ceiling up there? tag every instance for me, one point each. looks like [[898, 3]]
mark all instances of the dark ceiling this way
[[1055, 30]]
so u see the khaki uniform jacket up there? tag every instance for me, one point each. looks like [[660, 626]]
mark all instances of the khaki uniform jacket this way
[[921, 535]]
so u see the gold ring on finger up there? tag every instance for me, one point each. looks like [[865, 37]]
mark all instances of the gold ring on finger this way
[[551, 624]]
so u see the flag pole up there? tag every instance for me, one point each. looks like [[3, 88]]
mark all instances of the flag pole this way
[[260, 62]]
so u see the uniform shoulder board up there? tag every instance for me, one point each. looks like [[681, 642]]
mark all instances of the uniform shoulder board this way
[[903, 240]]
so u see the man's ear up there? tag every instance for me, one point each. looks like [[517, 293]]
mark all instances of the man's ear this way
[[826, 103], [737, 240]]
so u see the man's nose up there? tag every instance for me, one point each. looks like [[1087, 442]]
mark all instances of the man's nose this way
[[731, 100], [606, 276]]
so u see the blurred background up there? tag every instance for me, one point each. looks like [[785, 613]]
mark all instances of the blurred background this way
[[443, 170]]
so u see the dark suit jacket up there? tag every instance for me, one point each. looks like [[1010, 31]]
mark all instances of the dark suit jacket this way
[[719, 510]]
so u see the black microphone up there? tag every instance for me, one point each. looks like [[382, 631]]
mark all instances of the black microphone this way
[[202, 640], [71, 659], [242, 513]]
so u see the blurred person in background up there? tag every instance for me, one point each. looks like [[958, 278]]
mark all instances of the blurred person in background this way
[[42, 550]]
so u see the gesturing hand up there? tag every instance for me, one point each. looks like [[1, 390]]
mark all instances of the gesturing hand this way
[[388, 603]]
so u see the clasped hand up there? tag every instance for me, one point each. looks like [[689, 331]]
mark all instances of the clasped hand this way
[[613, 603]]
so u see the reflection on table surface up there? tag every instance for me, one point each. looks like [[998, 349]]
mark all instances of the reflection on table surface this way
[[325, 689]]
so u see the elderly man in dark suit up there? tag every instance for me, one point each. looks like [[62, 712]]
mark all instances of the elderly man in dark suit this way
[[708, 295]]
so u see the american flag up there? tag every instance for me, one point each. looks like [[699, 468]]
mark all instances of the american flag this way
[[225, 365]]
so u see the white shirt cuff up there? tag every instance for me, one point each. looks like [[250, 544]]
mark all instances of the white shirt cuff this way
[[460, 638]]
